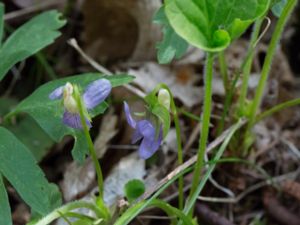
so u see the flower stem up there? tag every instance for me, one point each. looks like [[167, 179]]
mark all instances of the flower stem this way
[[91, 147], [180, 153], [178, 140], [290, 5], [246, 67], [68, 207], [205, 122]]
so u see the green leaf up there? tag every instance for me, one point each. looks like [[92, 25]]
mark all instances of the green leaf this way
[[134, 189], [5, 214], [278, 7], [32, 136], [6, 104], [29, 39], [27, 130], [212, 25], [20, 169], [164, 116], [1, 22], [48, 113], [172, 46]]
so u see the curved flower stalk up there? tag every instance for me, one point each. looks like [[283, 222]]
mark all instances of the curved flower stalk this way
[[95, 93], [145, 130]]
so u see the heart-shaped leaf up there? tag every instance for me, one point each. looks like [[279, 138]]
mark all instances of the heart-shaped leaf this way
[[29, 39], [212, 25], [48, 113], [19, 167]]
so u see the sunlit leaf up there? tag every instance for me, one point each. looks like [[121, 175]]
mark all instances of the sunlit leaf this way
[[212, 25]]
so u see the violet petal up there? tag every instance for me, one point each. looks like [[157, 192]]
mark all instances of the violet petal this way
[[146, 149], [57, 93], [150, 145], [96, 92], [129, 118], [73, 120], [136, 136], [146, 129]]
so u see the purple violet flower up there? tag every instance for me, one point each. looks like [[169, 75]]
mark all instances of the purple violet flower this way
[[145, 131], [95, 93]]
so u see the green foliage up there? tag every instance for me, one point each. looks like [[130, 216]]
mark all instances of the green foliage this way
[[1, 21], [168, 209], [212, 25], [193, 198], [27, 130], [20, 169], [32, 136], [48, 113], [29, 39], [164, 116], [6, 104], [157, 109], [278, 7], [5, 214], [134, 189], [172, 46]]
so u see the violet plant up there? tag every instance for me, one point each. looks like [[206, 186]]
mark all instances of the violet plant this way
[[146, 131]]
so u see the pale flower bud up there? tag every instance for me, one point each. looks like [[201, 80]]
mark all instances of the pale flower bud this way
[[164, 98], [70, 103]]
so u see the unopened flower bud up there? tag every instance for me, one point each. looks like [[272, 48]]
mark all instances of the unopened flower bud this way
[[69, 101], [164, 98]]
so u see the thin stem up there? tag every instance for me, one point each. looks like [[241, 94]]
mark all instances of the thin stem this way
[[91, 146], [205, 123], [180, 153], [179, 142], [224, 71], [268, 61], [66, 208], [277, 108], [190, 115], [246, 67]]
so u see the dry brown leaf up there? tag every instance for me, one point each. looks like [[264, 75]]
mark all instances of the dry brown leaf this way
[[292, 188], [106, 132], [181, 83], [77, 179]]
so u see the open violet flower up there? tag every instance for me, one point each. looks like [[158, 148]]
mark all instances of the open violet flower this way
[[95, 93], [150, 135]]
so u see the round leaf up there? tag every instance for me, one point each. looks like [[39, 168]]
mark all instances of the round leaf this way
[[134, 189]]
